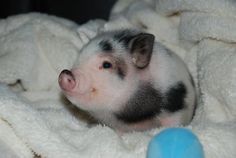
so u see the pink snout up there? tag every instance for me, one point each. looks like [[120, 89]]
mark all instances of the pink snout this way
[[67, 80], [74, 82]]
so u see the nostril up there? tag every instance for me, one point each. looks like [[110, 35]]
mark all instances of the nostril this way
[[67, 72]]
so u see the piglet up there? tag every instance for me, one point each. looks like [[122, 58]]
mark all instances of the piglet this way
[[129, 82]]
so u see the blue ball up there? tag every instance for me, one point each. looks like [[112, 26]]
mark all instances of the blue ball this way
[[175, 143]]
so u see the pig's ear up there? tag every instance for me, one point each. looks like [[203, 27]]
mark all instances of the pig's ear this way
[[141, 49]]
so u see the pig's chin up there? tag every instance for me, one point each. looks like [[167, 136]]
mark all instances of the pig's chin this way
[[76, 93], [81, 102], [78, 97], [79, 90]]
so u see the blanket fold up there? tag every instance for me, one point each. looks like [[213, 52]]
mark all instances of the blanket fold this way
[[217, 79], [196, 26], [220, 7], [31, 46]]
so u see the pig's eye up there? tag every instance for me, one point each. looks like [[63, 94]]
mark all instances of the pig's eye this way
[[106, 65]]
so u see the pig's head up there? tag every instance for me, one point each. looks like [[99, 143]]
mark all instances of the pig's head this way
[[108, 71]]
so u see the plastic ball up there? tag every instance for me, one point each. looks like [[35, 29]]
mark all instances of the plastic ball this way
[[175, 143]]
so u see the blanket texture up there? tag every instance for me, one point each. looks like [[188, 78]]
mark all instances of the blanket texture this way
[[35, 121]]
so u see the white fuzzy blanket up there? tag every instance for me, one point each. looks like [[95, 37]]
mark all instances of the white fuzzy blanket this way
[[34, 48]]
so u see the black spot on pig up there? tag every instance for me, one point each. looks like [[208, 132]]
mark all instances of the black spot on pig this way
[[143, 105], [124, 37], [121, 68], [105, 46], [121, 73], [148, 102], [175, 98]]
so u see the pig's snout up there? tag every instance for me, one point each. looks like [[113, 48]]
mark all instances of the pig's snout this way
[[67, 80], [74, 81]]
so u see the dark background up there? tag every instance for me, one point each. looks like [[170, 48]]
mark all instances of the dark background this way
[[79, 11]]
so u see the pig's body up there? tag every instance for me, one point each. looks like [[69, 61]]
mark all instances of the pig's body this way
[[129, 82]]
